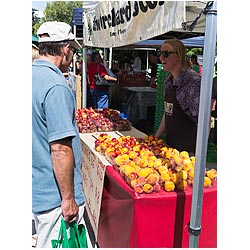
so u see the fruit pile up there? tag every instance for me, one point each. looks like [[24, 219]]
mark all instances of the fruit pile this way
[[148, 165], [91, 120]]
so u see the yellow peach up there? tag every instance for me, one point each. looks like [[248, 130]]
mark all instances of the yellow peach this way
[[141, 180], [212, 173], [175, 152], [132, 176], [178, 160], [132, 154], [138, 188], [108, 150], [143, 163], [184, 154], [128, 170], [137, 148], [137, 159], [152, 179], [152, 158], [164, 148], [124, 150], [164, 177], [176, 178], [192, 158], [162, 169], [157, 163], [150, 164], [132, 163], [147, 188], [137, 169], [186, 167], [207, 181], [144, 172], [191, 172], [169, 186], [157, 187], [187, 161], [133, 182]]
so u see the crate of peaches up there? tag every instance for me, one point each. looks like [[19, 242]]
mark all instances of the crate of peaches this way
[[147, 165], [91, 120]]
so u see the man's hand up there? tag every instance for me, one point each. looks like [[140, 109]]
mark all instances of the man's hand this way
[[69, 210]]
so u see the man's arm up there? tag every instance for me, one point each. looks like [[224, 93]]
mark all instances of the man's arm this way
[[63, 164]]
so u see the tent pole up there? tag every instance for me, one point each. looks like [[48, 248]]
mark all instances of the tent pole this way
[[110, 57], [203, 124], [74, 57], [84, 71]]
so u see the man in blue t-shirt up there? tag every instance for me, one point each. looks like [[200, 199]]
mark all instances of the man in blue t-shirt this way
[[56, 150]]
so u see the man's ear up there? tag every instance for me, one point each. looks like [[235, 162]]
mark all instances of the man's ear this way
[[65, 49]]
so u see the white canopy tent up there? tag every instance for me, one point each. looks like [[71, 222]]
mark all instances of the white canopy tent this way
[[110, 24]]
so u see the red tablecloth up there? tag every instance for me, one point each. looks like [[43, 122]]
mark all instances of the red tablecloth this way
[[154, 220]]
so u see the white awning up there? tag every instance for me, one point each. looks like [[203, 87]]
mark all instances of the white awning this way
[[118, 23]]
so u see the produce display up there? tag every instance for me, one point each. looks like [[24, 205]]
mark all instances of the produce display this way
[[147, 165], [93, 120]]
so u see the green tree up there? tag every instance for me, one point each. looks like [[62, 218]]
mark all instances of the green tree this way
[[35, 20], [60, 11]]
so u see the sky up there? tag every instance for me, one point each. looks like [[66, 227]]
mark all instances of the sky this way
[[40, 6]]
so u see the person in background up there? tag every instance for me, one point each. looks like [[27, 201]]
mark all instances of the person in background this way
[[195, 65], [137, 63], [154, 59], [89, 53], [127, 67], [100, 95], [181, 98], [109, 71], [56, 150], [35, 52], [115, 68]]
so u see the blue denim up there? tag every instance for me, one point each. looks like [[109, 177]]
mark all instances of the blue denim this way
[[100, 98]]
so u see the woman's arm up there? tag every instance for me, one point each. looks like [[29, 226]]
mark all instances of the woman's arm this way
[[161, 128]]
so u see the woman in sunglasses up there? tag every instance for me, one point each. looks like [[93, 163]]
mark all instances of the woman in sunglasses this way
[[181, 98]]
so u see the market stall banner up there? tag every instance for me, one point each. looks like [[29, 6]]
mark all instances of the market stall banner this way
[[119, 23]]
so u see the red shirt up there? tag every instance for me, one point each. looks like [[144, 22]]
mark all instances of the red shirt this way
[[92, 70]]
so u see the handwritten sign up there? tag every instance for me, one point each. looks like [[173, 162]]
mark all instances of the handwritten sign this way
[[93, 172]]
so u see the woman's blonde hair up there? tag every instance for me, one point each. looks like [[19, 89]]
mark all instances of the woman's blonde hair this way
[[179, 48]]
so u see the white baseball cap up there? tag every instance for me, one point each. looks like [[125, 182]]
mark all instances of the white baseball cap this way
[[57, 32]]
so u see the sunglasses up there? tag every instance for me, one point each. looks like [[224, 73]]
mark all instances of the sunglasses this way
[[74, 50], [165, 53]]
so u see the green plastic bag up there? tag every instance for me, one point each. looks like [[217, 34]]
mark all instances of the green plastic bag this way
[[77, 236]]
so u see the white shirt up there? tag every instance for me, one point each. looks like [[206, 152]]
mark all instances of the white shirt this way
[[137, 64]]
